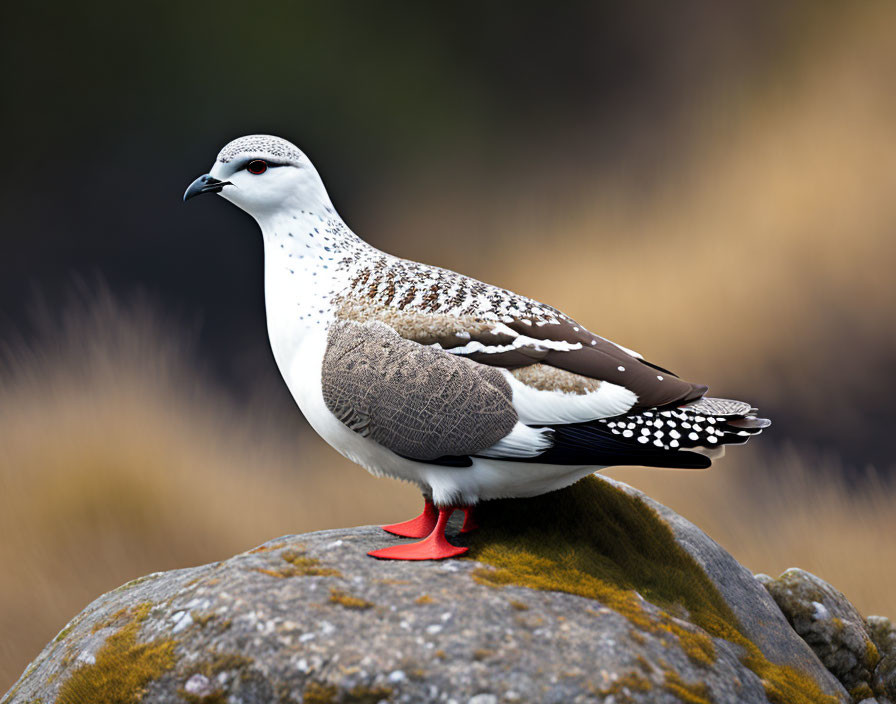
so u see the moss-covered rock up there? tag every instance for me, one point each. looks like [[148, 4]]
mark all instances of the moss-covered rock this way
[[605, 542], [884, 682], [882, 633], [122, 667], [831, 625], [582, 595]]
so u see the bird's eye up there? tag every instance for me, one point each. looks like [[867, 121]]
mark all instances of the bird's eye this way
[[256, 166]]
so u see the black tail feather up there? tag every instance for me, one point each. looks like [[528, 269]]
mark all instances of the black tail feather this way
[[679, 437]]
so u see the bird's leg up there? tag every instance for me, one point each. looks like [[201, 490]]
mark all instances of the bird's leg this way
[[418, 527], [435, 546], [470, 523]]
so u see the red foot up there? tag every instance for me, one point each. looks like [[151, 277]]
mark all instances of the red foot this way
[[470, 523], [434, 547], [418, 527]]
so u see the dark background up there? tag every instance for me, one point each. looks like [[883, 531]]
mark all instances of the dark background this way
[[110, 112]]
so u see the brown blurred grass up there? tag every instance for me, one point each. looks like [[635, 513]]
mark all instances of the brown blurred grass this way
[[116, 460], [759, 257]]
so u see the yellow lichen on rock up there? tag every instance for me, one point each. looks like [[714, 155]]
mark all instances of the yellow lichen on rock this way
[[872, 655], [123, 666], [342, 598], [320, 693], [367, 695], [298, 564], [689, 693], [595, 540], [110, 620]]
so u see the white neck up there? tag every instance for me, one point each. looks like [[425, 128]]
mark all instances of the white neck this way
[[304, 252]]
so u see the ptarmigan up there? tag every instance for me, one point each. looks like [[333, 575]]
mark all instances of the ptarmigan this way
[[468, 390]]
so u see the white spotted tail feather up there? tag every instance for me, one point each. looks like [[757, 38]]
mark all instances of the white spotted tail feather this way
[[704, 427]]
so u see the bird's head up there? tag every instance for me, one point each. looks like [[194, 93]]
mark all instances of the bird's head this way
[[265, 176]]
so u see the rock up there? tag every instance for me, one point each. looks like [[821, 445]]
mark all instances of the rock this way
[[885, 677], [882, 634], [758, 613], [831, 625], [594, 593], [199, 685], [763, 579]]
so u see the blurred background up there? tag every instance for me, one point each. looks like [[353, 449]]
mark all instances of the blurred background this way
[[712, 184]]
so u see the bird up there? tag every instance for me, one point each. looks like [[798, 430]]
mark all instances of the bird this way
[[467, 390]]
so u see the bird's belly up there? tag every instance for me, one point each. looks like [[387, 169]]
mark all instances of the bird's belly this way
[[486, 479], [489, 478]]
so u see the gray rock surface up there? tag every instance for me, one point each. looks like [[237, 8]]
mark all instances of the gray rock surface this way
[[882, 633], [884, 681], [311, 618], [757, 611], [830, 624]]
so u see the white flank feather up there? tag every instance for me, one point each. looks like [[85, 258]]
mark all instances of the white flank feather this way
[[539, 407], [522, 441]]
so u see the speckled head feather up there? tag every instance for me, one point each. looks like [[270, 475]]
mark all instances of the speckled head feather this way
[[261, 146]]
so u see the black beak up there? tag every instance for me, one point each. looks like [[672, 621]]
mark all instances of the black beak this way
[[204, 184]]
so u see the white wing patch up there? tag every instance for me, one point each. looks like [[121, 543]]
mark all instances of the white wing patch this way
[[522, 441], [547, 407], [518, 341]]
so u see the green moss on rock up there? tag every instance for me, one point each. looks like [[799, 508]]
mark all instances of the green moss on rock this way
[[628, 688], [216, 697], [202, 619], [221, 662], [111, 620], [689, 693], [135, 582], [597, 541], [320, 693], [861, 691], [367, 695], [872, 655], [64, 632], [123, 666]]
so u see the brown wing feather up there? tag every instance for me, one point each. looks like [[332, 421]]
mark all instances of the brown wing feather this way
[[596, 358], [416, 301]]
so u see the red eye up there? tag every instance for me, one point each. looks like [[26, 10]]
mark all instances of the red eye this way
[[256, 166]]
